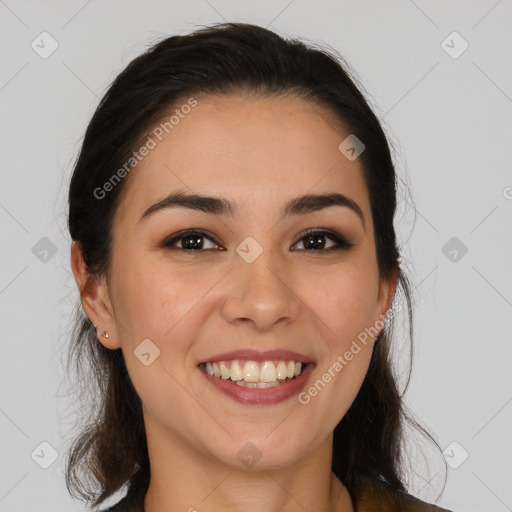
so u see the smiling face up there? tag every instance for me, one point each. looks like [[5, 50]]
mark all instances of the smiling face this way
[[251, 279]]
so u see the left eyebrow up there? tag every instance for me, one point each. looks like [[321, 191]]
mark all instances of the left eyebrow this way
[[221, 206]]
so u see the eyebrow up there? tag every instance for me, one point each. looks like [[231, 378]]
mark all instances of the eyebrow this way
[[220, 206]]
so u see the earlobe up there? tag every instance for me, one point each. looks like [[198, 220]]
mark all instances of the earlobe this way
[[387, 289], [392, 287], [95, 299]]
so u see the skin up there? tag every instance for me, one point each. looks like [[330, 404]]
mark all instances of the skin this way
[[259, 153]]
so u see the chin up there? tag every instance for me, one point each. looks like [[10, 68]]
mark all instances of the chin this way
[[262, 452]]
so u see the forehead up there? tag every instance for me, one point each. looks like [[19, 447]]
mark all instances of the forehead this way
[[258, 151]]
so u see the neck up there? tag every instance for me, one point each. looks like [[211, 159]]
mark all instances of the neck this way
[[182, 478]]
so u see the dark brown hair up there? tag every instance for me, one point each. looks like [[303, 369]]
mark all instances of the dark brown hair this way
[[111, 452]]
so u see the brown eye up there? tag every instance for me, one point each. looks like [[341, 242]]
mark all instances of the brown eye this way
[[314, 241], [190, 241]]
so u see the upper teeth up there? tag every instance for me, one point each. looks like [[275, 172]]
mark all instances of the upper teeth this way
[[251, 371]]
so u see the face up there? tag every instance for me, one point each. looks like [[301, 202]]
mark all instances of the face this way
[[250, 279]]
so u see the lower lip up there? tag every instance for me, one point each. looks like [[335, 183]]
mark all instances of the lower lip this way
[[256, 396]]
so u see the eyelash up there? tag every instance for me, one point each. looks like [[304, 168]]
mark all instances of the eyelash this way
[[342, 242]]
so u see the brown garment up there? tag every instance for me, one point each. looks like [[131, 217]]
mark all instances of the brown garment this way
[[372, 496], [377, 496]]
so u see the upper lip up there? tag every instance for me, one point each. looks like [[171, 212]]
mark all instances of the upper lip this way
[[254, 355]]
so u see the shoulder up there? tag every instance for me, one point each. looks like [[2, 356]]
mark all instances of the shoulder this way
[[121, 506], [373, 494], [126, 504]]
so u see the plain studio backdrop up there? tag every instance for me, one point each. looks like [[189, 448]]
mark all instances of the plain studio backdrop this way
[[438, 75]]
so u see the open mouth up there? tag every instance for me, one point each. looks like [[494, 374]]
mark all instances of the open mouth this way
[[252, 374]]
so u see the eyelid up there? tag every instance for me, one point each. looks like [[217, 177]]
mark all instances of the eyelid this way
[[171, 240], [342, 243]]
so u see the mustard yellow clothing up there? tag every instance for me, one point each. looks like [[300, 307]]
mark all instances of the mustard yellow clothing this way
[[377, 496]]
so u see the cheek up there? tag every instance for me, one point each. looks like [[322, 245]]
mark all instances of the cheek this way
[[153, 299], [164, 306], [170, 304], [345, 300], [346, 311]]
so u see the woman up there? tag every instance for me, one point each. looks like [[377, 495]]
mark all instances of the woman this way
[[231, 212]]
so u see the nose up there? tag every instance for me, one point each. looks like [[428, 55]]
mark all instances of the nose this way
[[261, 293]]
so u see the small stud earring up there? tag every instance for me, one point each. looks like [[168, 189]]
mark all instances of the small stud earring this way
[[104, 334]]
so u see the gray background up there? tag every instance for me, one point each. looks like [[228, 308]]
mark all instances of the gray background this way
[[449, 118]]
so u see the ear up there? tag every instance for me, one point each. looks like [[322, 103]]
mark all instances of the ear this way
[[386, 291], [95, 298]]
